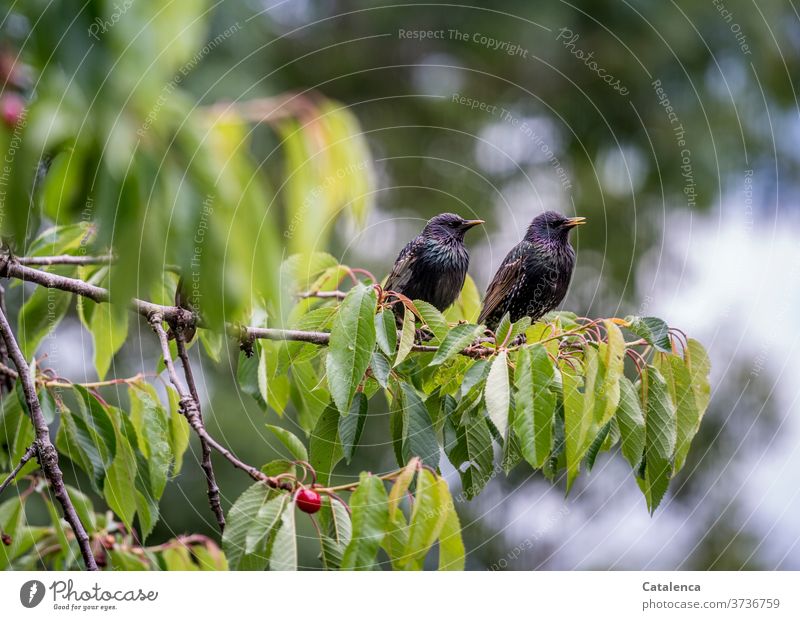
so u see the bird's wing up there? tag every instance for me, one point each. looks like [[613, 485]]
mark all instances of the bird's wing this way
[[504, 280], [403, 267]]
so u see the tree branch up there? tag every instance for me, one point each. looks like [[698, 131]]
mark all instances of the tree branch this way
[[66, 259], [46, 452], [10, 267], [208, 468], [189, 410], [25, 458]]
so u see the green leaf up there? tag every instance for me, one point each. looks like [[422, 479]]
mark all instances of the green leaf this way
[[467, 306], [370, 518], [40, 315], [11, 520], [451, 545], [178, 430], [498, 393], [578, 410], [419, 436], [699, 366], [612, 362], [652, 329], [351, 344], [631, 424], [247, 375], [241, 519], [151, 423], [503, 331], [660, 436], [284, 548], [596, 446], [386, 332], [109, 329], [480, 453], [352, 425], [535, 402], [427, 518], [118, 487], [325, 448], [433, 319], [381, 369], [291, 441], [406, 337], [679, 384], [456, 340]]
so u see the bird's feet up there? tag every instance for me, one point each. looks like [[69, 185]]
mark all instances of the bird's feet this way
[[423, 335]]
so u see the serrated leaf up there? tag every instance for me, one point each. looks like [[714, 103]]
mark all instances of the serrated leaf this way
[[370, 518], [325, 448], [265, 522], [118, 488], [535, 402], [451, 545], [699, 366], [498, 392], [241, 518], [631, 423], [109, 329], [660, 436], [679, 384], [291, 441], [386, 332], [419, 436], [152, 426], [578, 411], [654, 330], [428, 516], [351, 344], [503, 331], [352, 425], [456, 340], [406, 337], [480, 452], [432, 318], [381, 369]]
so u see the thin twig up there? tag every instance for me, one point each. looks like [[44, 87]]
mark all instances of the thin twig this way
[[10, 267], [67, 259], [189, 410], [323, 294], [46, 452], [208, 468], [25, 458]]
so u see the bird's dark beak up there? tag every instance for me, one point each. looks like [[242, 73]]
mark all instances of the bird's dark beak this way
[[572, 222], [471, 223]]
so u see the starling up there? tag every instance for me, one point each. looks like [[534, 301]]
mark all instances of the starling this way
[[433, 266], [534, 277]]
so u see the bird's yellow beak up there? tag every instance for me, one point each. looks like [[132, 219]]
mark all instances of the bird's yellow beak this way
[[575, 221], [470, 223]]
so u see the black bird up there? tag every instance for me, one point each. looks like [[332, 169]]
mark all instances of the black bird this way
[[534, 277], [433, 266]]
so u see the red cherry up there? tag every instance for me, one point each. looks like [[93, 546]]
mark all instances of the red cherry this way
[[12, 108], [308, 501]]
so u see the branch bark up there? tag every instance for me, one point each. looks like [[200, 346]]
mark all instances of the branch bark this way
[[29, 453], [190, 411], [208, 468], [46, 451]]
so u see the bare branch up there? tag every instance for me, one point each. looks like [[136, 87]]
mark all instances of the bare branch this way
[[25, 458], [189, 410], [67, 259], [46, 452], [208, 468], [10, 267]]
